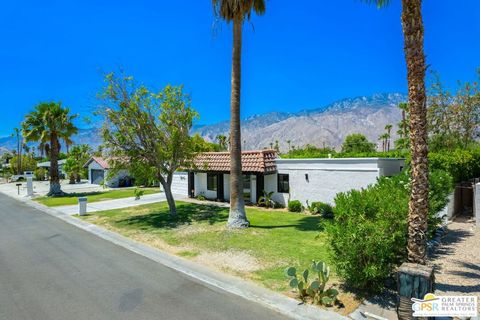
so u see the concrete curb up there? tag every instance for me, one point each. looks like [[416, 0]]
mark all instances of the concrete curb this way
[[272, 300]]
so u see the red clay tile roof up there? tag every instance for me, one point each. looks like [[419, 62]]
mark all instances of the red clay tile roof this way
[[101, 161], [262, 161]]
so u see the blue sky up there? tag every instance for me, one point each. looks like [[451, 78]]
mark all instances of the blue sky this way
[[300, 54]]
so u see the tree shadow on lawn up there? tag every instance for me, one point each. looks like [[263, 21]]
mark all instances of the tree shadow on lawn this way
[[79, 194], [306, 223], [187, 214]]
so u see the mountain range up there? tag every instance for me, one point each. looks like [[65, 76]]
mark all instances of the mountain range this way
[[327, 125]]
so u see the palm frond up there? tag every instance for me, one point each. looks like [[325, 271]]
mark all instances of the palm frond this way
[[378, 3]]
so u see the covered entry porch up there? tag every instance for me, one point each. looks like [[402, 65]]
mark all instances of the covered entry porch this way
[[210, 176]]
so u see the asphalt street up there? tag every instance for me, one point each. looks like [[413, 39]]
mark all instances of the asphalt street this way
[[52, 270]]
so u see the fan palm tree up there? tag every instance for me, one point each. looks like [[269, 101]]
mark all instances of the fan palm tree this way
[[50, 122], [18, 134], [236, 11], [383, 138], [413, 34], [222, 141], [388, 134]]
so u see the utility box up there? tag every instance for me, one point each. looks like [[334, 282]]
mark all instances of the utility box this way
[[29, 186], [82, 206]]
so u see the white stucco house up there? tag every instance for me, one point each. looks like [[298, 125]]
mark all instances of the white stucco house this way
[[98, 173], [288, 179]]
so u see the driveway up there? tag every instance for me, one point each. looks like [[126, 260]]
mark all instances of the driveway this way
[[41, 188], [52, 270], [118, 203]]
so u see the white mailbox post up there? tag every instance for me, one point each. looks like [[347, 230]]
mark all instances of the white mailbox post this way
[[29, 186], [82, 206]]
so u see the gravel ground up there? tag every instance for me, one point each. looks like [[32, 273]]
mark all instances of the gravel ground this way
[[457, 259]]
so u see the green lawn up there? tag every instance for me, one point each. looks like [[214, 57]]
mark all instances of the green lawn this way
[[72, 198], [275, 240]]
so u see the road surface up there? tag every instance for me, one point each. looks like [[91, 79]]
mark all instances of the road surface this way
[[52, 270]]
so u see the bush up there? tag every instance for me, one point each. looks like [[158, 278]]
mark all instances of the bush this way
[[369, 233], [295, 206], [321, 208], [138, 193], [462, 164], [266, 200], [40, 174]]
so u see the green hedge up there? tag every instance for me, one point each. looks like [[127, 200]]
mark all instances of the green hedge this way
[[369, 233], [462, 164]]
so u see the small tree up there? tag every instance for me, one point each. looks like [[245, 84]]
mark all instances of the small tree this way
[[152, 129], [28, 163], [77, 157], [357, 142]]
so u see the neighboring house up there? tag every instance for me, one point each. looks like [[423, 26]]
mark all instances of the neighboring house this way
[[98, 173], [289, 179], [46, 166]]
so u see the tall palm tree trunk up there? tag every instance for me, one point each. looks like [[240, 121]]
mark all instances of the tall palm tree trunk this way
[[237, 217], [55, 188], [415, 58]]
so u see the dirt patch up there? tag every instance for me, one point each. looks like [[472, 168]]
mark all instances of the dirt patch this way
[[238, 261], [190, 230]]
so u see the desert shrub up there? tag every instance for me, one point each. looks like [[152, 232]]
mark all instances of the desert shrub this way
[[369, 233], [316, 288], [321, 208], [266, 200], [138, 193], [295, 206]]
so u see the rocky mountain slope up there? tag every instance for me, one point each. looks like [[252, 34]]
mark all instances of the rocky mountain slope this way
[[326, 125], [323, 126]]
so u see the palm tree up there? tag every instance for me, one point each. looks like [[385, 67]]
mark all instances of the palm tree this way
[[236, 11], [222, 141], [50, 122], [388, 135], [412, 24], [17, 133], [384, 138]]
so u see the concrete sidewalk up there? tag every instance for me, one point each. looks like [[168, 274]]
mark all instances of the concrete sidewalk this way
[[118, 203]]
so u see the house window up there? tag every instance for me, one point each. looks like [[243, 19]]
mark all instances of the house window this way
[[283, 183], [211, 182]]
